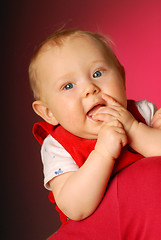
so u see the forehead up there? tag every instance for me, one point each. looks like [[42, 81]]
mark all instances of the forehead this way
[[71, 55], [74, 46], [55, 60]]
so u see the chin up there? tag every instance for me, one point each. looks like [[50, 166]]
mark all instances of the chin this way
[[88, 135], [93, 134]]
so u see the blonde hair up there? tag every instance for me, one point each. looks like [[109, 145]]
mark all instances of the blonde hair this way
[[57, 39]]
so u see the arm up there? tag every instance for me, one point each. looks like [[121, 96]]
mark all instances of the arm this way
[[78, 194], [142, 138], [145, 140]]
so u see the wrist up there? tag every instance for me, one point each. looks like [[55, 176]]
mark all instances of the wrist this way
[[103, 156], [132, 131]]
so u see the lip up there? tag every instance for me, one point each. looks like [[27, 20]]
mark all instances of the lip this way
[[94, 108]]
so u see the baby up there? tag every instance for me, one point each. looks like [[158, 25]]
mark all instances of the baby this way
[[79, 84]]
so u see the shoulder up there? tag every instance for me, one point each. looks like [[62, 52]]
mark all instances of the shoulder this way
[[56, 160], [147, 110], [52, 146]]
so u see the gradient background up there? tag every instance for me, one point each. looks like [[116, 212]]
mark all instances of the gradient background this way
[[134, 26]]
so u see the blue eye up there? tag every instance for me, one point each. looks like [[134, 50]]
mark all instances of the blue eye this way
[[69, 86], [98, 74]]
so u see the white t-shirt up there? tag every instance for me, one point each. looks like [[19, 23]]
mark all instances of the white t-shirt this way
[[56, 160]]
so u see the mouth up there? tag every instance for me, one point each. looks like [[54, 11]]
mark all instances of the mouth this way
[[94, 109]]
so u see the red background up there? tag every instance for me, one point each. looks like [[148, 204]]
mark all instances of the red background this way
[[134, 26]]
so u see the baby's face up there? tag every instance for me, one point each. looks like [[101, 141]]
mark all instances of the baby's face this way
[[73, 78]]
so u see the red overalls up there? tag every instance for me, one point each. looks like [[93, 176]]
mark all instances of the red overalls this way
[[80, 148]]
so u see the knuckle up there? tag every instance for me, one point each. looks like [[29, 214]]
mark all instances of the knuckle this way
[[117, 123]]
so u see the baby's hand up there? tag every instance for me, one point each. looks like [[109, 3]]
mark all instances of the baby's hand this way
[[156, 120], [111, 138], [114, 110]]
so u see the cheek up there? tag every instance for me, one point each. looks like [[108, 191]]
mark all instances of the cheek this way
[[122, 96], [68, 112], [118, 92]]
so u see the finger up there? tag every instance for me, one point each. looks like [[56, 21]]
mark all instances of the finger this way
[[114, 123], [122, 135], [110, 100], [124, 140], [107, 110], [114, 111], [103, 117]]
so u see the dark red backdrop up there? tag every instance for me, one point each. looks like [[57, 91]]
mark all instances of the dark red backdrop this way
[[135, 28]]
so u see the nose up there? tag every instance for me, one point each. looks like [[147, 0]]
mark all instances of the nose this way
[[90, 89]]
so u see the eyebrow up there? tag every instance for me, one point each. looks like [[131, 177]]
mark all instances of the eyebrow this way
[[70, 74], [65, 76], [99, 61]]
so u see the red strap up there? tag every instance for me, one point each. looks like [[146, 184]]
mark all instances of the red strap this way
[[41, 130]]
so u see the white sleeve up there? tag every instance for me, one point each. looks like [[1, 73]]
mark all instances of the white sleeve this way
[[56, 160], [147, 110]]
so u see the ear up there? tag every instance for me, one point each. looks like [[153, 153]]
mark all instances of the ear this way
[[43, 111]]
